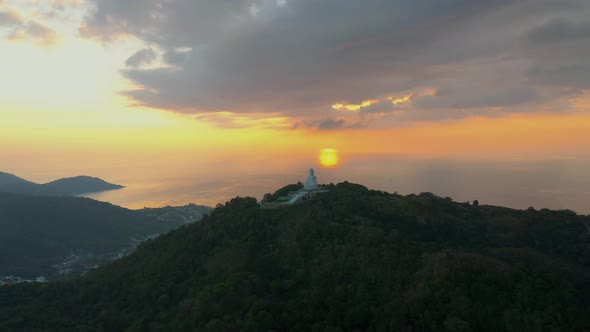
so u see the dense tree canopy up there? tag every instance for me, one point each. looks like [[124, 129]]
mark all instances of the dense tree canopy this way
[[39, 232], [351, 259], [282, 192]]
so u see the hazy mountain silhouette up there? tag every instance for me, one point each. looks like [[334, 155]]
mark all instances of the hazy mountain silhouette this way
[[12, 183], [65, 187], [80, 185], [351, 259]]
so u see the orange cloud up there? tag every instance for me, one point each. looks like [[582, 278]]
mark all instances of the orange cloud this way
[[354, 107], [582, 102], [369, 104], [232, 120], [398, 100], [36, 31]]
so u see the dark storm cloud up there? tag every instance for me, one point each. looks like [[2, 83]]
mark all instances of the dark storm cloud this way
[[300, 56]]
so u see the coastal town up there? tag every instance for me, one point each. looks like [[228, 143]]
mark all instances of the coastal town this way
[[11, 280]]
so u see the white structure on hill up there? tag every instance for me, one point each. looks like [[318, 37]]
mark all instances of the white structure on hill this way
[[310, 190], [312, 182]]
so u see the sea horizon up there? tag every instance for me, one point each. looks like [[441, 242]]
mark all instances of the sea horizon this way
[[519, 184]]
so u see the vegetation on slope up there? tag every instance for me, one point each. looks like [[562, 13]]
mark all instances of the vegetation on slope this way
[[350, 260], [182, 214], [38, 232], [282, 192]]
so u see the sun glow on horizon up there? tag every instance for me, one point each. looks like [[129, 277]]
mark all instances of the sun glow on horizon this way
[[329, 158]]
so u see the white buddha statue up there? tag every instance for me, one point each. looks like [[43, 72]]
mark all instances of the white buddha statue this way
[[312, 182]]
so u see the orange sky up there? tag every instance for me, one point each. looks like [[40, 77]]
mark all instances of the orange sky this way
[[181, 140], [61, 111]]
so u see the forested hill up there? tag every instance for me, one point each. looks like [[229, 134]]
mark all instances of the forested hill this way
[[349, 260], [60, 236]]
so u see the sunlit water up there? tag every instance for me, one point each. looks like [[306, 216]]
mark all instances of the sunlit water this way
[[555, 184]]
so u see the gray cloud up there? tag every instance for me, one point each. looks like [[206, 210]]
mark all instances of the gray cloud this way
[[305, 55], [335, 123], [559, 30], [481, 85], [332, 124], [41, 32], [559, 53], [567, 75], [9, 18], [142, 58]]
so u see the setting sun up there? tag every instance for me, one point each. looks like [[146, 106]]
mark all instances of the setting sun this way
[[329, 157]]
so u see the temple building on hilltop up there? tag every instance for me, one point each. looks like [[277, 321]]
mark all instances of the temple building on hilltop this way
[[312, 182], [309, 190]]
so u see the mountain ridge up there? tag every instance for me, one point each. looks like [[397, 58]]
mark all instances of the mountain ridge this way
[[70, 186]]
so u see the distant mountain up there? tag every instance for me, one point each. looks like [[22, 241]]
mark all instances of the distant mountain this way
[[14, 184], [80, 185], [9, 179], [62, 236], [63, 187], [350, 259]]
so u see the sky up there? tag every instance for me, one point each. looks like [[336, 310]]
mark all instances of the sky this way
[[123, 89]]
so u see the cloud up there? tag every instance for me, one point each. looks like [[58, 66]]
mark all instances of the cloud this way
[[141, 58], [559, 30], [332, 123], [388, 105], [560, 51], [65, 4], [229, 120], [354, 107], [18, 26], [299, 58], [480, 85], [35, 31], [574, 75], [41, 32], [9, 18], [61, 10]]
